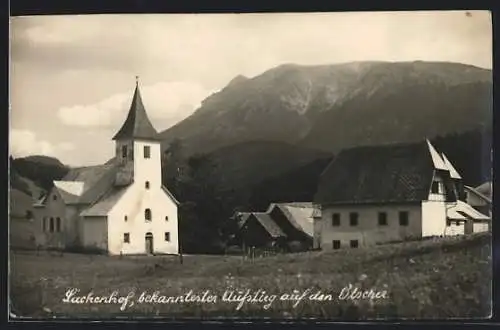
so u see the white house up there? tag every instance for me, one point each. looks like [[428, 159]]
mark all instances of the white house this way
[[480, 197], [376, 194], [120, 207]]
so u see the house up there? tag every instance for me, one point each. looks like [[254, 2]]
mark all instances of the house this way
[[277, 227], [260, 231], [375, 194], [480, 197], [121, 206], [296, 221]]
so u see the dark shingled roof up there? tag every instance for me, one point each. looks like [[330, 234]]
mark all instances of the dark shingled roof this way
[[378, 174], [268, 223], [137, 124]]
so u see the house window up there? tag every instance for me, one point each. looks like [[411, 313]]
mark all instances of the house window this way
[[167, 237], [353, 219], [126, 238], [166, 218], [147, 214], [124, 152], [58, 224], [457, 223], [51, 225], [147, 152], [403, 218], [125, 218], [54, 197], [448, 222], [336, 244], [354, 243], [147, 184], [44, 224], [336, 219], [382, 219]]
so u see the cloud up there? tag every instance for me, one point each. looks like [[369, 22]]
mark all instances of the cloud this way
[[221, 46], [165, 102], [25, 143]]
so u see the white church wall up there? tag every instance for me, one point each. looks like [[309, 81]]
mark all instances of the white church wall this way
[[133, 205], [147, 169]]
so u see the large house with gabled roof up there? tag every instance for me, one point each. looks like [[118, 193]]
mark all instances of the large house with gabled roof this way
[[120, 207], [375, 194]]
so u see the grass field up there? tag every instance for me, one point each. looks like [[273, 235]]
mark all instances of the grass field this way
[[441, 278]]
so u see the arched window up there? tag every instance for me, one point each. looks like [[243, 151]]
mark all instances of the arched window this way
[[147, 214], [51, 225], [147, 184], [58, 224]]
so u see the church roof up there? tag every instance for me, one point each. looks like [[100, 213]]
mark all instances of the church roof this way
[[105, 204], [97, 187], [93, 182], [137, 125]]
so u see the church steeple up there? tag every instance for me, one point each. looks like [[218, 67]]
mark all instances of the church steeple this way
[[137, 125]]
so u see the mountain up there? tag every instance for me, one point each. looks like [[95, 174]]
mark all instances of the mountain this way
[[331, 107]]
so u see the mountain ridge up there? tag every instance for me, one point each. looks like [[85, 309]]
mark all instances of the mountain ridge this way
[[287, 102]]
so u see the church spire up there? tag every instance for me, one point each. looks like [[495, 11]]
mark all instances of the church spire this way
[[137, 125]]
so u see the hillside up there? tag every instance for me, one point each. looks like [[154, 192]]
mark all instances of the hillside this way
[[241, 165], [36, 174], [297, 185], [432, 279], [336, 106]]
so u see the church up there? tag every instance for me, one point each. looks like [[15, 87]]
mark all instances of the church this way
[[120, 207]]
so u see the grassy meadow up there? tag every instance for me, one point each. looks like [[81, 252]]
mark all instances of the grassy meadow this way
[[436, 278]]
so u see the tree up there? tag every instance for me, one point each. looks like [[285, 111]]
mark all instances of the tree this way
[[200, 212]]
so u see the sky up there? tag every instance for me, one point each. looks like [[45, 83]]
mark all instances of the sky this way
[[72, 77]]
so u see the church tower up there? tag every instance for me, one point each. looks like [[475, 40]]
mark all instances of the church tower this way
[[138, 145]]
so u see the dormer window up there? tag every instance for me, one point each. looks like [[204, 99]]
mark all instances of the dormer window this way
[[124, 152], [437, 187]]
